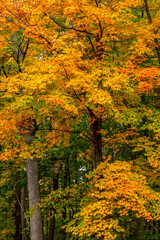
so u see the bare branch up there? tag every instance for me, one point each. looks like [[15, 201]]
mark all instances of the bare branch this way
[[73, 170], [4, 71], [69, 28]]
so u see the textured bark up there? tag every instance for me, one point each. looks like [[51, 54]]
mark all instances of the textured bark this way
[[56, 170], [95, 127], [36, 229]]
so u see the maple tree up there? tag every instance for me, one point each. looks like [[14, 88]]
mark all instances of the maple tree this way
[[88, 69], [115, 191]]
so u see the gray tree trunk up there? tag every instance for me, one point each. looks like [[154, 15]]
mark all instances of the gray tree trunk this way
[[36, 229]]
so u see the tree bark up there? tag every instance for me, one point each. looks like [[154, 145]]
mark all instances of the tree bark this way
[[56, 170], [52, 235], [138, 229], [36, 229], [23, 220], [17, 217], [65, 183], [95, 127], [159, 229]]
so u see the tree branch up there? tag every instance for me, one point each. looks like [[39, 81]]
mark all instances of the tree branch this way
[[150, 21], [73, 170], [4, 71], [91, 43], [26, 49], [147, 11], [69, 28]]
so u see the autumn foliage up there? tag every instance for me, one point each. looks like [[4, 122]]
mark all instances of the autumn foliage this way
[[79, 91]]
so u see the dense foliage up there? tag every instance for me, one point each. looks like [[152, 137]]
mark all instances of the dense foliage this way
[[79, 119]]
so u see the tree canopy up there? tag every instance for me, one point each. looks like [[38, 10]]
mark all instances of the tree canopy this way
[[79, 119]]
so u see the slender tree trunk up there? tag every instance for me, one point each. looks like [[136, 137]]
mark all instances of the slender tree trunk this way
[[56, 170], [64, 213], [159, 229], [138, 229], [121, 233], [36, 229], [18, 217], [52, 235], [95, 127], [23, 220]]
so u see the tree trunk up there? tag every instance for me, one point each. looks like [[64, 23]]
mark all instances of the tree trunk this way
[[23, 220], [52, 232], [65, 184], [56, 170], [36, 229], [138, 229], [64, 215], [95, 127], [17, 217], [159, 229]]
